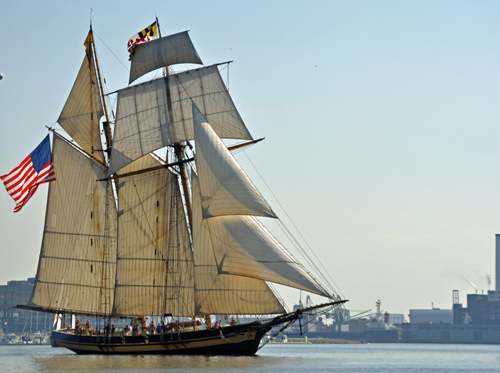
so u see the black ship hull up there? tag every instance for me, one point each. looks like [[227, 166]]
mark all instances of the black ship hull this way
[[242, 339], [230, 340], [52, 342]]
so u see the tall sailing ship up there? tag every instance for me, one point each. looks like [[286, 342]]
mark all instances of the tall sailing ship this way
[[129, 234]]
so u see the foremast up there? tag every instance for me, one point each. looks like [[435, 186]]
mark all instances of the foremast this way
[[106, 123], [109, 208], [76, 269]]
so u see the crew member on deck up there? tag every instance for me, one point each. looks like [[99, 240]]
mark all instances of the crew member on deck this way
[[87, 325]]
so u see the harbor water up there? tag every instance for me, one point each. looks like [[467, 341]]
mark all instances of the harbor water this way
[[284, 357]]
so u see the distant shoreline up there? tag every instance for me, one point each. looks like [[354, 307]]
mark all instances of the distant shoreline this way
[[321, 341]]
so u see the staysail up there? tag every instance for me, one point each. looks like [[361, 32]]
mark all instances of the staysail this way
[[166, 51], [241, 245], [154, 262], [218, 293], [83, 110], [159, 113], [225, 188], [76, 269]]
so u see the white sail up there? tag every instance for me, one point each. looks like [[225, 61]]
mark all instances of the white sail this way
[[158, 113], [242, 246], [154, 272], [218, 293], [76, 269], [83, 110], [225, 188], [166, 51]]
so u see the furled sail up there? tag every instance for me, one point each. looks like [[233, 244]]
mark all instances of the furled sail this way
[[76, 269], [166, 51], [218, 293], [242, 246], [83, 110], [225, 188], [154, 262], [159, 113]]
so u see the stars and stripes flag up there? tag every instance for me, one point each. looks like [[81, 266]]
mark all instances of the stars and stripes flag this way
[[23, 181], [148, 34]]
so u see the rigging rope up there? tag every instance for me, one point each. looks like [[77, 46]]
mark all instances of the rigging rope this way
[[126, 68], [298, 244]]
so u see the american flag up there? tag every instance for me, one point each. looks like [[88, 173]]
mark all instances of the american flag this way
[[23, 181]]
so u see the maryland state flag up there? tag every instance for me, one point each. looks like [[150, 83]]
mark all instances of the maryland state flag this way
[[148, 34]]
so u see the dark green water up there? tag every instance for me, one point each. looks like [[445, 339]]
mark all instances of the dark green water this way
[[406, 358]]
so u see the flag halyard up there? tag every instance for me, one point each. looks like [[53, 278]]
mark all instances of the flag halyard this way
[[23, 181]]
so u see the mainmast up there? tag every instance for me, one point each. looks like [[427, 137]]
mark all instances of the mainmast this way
[[179, 149]]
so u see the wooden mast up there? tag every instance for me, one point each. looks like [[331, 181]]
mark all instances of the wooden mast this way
[[107, 132], [107, 128], [180, 154]]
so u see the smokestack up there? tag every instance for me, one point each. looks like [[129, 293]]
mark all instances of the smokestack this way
[[497, 263]]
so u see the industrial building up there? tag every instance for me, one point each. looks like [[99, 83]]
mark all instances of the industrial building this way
[[479, 322], [435, 316]]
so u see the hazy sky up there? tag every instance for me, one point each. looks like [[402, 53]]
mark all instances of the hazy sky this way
[[381, 121]]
